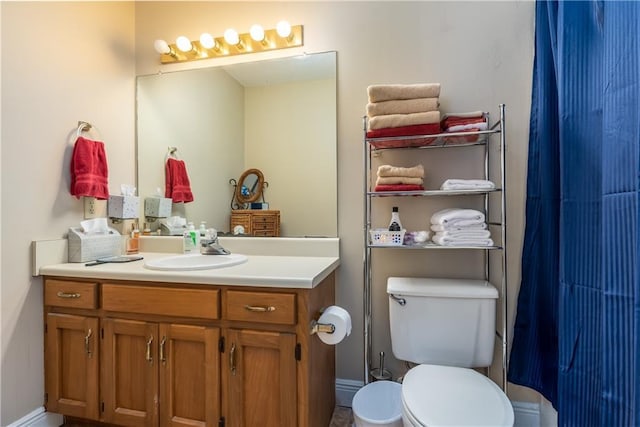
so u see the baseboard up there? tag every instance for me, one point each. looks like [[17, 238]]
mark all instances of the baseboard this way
[[38, 418], [345, 390]]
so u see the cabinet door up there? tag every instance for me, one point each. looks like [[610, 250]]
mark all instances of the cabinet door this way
[[71, 364], [130, 372], [260, 376], [189, 363]]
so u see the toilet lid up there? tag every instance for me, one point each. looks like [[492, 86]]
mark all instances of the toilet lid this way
[[445, 396]]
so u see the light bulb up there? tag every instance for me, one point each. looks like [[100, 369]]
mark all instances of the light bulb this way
[[207, 41], [257, 32], [184, 44], [283, 28], [231, 36], [162, 47]]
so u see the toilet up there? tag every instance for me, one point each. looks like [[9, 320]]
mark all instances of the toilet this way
[[446, 327]]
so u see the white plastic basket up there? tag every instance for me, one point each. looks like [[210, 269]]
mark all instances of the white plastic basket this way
[[384, 237]]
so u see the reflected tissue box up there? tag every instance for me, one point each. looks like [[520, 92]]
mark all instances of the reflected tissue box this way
[[157, 207], [123, 207], [88, 247]]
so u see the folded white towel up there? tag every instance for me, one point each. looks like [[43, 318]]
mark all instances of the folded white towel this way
[[398, 120], [467, 184], [455, 217], [379, 93], [402, 106], [464, 234], [470, 227], [413, 172], [392, 180], [470, 126], [450, 241], [467, 115]]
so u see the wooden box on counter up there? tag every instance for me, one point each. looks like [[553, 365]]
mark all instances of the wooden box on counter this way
[[264, 223]]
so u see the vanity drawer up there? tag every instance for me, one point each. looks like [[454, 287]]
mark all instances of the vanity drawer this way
[[263, 307], [198, 303], [64, 293]]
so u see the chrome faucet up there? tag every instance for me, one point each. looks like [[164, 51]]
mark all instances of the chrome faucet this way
[[209, 245]]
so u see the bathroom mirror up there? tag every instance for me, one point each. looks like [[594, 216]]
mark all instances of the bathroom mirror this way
[[277, 116], [250, 187]]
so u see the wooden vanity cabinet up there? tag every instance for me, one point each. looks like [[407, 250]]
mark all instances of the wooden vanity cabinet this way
[[187, 355]]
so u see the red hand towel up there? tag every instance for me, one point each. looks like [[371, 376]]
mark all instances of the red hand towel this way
[[399, 187], [89, 169], [177, 185]]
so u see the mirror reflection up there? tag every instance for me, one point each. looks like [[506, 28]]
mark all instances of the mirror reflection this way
[[277, 116]]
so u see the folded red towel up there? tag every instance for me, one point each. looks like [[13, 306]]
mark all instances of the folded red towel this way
[[399, 187], [426, 129], [177, 185], [89, 169]]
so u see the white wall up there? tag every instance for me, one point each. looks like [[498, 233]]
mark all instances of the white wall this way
[[481, 53], [61, 62]]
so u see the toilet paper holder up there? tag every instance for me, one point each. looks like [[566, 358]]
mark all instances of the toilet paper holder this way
[[316, 327]]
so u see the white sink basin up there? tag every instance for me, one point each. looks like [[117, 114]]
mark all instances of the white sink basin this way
[[195, 262]]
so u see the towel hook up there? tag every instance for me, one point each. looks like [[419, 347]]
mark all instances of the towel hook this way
[[85, 127], [171, 153]]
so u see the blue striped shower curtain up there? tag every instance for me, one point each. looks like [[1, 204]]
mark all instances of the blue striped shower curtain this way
[[577, 330]]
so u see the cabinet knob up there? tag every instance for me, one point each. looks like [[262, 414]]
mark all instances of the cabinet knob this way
[[232, 359], [87, 347], [148, 355]]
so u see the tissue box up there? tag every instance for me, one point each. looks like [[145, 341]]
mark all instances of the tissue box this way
[[123, 207], [83, 247], [157, 207]]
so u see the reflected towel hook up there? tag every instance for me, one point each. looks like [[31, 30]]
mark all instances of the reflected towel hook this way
[[171, 153]]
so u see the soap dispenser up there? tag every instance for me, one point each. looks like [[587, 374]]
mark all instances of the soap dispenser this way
[[133, 243], [190, 239]]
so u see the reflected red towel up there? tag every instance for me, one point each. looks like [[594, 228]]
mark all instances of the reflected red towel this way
[[89, 169], [177, 185]]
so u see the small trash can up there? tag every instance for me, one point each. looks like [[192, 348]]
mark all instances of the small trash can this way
[[378, 404]]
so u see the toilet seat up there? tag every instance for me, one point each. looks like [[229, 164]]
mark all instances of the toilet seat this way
[[434, 395]]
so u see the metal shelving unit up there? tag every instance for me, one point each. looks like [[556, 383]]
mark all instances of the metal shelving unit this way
[[495, 134]]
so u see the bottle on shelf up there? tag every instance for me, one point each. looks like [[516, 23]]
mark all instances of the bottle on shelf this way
[[190, 239], [395, 224]]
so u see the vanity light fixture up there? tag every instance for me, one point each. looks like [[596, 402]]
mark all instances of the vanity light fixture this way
[[232, 43]]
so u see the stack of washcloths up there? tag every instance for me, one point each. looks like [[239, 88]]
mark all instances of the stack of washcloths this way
[[460, 227], [473, 121], [403, 110], [396, 178]]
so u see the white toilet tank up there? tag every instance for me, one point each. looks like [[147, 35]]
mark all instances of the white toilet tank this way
[[442, 321]]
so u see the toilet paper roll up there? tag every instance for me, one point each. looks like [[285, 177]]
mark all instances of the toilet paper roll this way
[[340, 318]]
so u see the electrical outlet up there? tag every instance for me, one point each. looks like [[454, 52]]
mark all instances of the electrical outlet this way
[[94, 208], [90, 207]]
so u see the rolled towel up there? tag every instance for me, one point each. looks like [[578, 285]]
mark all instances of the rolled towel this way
[[465, 234], [402, 106], [454, 217], [467, 184], [398, 120], [390, 180], [395, 171], [379, 93], [450, 241], [470, 227]]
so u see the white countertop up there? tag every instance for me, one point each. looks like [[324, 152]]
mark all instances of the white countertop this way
[[265, 271]]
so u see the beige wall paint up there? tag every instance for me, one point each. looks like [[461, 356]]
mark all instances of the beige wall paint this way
[[61, 62], [481, 53]]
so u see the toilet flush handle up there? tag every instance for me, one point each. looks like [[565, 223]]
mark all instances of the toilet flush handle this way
[[400, 301]]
